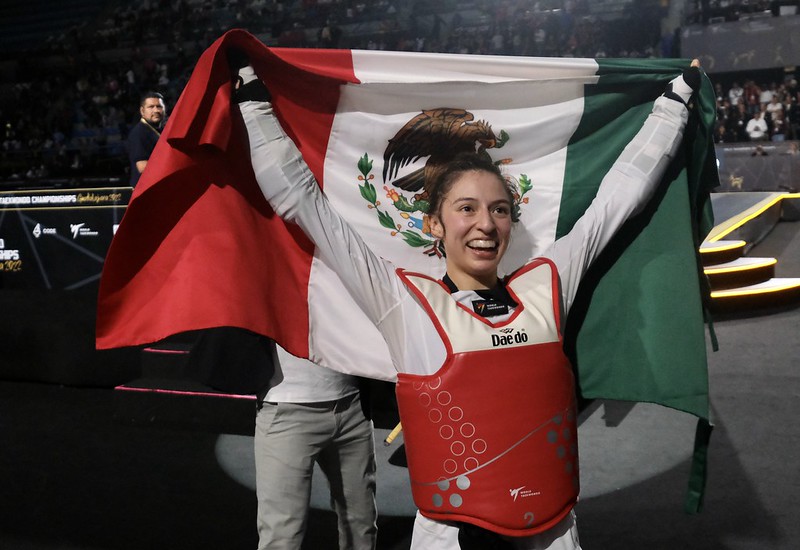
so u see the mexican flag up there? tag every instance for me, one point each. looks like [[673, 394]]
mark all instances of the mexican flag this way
[[199, 247]]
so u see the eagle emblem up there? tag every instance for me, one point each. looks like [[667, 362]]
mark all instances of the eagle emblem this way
[[436, 135]]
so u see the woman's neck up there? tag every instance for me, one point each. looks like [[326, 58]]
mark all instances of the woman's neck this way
[[467, 282], [498, 292]]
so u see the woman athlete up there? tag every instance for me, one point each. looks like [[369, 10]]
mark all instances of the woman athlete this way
[[485, 393]]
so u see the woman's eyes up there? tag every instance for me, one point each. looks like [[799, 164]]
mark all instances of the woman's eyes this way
[[501, 210]]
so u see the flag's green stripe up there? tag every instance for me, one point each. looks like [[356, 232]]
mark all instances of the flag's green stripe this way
[[614, 110], [636, 331]]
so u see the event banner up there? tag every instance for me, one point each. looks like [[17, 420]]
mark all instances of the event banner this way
[[57, 238]]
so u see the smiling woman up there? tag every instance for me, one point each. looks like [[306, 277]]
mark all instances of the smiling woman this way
[[471, 213], [485, 393]]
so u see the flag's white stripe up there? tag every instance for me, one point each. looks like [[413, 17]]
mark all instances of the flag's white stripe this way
[[538, 102], [339, 332], [383, 99], [537, 148], [374, 66]]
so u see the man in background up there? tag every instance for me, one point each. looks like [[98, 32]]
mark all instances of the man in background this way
[[145, 133]]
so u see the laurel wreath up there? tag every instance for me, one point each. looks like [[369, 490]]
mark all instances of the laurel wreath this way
[[370, 194]]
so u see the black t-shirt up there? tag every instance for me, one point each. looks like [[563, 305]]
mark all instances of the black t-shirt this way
[[141, 142]]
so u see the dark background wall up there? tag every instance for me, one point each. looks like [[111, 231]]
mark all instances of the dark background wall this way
[[53, 244]]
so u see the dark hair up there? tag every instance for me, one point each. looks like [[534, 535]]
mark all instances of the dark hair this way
[[147, 95], [455, 168]]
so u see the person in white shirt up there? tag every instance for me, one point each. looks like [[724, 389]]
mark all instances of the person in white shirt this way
[[307, 415], [757, 128], [774, 105], [735, 93], [472, 318]]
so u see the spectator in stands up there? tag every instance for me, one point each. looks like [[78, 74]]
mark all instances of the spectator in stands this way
[[724, 109], [791, 112], [752, 96], [774, 104], [720, 93], [791, 87], [329, 35], [778, 126], [767, 93], [735, 93], [723, 134], [145, 133], [757, 129], [737, 121]]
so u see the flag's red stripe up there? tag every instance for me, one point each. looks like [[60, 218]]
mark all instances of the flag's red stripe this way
[[199, 247], [305, 85]]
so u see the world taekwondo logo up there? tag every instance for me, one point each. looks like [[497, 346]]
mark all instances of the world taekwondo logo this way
[[79, 230], [522, 492]]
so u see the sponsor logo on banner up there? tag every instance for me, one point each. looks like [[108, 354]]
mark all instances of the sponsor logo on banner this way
[[81, 230], [39, 230]]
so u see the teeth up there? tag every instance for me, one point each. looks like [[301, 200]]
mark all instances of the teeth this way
[[481, 243]]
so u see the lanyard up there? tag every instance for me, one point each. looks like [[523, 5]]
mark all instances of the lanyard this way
[[150, 126]]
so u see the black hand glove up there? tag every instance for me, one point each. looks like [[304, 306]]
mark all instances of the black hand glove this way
[[683, 87], [247, 85], [692, 77]]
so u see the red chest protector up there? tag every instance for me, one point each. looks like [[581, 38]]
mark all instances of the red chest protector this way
[[491, 437]]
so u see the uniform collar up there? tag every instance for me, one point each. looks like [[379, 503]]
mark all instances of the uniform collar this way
[[498, 294]]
